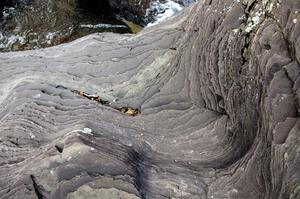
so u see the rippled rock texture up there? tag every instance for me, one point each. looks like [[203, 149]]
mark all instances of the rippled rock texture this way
[[218, 92]]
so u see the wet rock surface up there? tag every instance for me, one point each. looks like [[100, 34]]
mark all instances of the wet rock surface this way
[[218, 90]]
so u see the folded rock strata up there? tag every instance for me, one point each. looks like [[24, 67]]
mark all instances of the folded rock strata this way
[[218, 90]]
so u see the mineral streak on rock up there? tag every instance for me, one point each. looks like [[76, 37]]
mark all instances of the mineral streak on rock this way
[[218, 89]]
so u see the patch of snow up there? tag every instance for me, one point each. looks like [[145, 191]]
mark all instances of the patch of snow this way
[[243, 17], [84, 130], [235, 30], [50, 36], [294, 20], [6, 42], [162, 10], [8, 11], [257, 17], [101, 25], [1, 36], [255, 20], [87, 131]]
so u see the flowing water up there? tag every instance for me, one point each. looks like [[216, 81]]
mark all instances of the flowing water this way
[[44, 23], [32, 24]]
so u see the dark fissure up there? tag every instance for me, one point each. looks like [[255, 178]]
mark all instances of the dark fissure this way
[[95, 7], [92, 13], [95, 12]]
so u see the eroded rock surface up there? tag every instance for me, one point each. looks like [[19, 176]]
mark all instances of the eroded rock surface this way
[[218, 90]]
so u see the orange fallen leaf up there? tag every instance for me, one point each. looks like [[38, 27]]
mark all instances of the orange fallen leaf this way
[[81, 93]]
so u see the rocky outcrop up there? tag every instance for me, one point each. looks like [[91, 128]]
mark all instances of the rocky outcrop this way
[[214, 91]]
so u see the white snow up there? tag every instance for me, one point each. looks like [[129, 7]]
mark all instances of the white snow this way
[[84, 130], [254, 21], [1, 36], [294, 20], [102, 25], [235, 30], [50, 36], [8, 11], [258, 16], [8, 41], [163, 10], [87, 131]]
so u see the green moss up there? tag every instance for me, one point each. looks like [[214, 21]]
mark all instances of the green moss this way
[[134, 28]]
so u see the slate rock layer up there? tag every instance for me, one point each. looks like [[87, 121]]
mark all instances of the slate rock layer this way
[[218, 90]]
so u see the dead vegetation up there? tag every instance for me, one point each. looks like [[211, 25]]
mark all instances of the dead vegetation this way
[[126, 110]]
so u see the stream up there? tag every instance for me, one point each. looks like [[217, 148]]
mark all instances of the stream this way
[[32, 24]]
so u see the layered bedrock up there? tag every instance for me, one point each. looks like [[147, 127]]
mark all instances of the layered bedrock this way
[[217, 89]]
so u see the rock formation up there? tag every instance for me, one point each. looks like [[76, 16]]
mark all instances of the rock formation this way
[[217, 94]]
